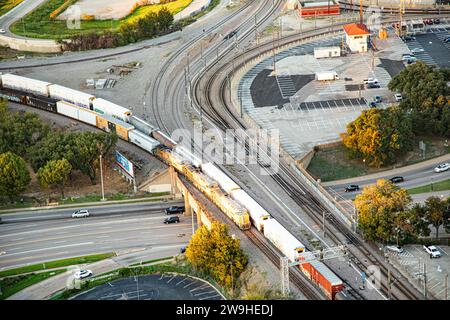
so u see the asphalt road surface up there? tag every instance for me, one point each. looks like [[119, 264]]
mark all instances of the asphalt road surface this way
[[135, 230]]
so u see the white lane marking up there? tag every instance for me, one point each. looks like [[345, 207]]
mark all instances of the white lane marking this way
[[17, 239], [440, 248], [48, 249], [27, 218], [378, 291]]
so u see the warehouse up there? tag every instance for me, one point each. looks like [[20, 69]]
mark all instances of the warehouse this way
[[318, 8]]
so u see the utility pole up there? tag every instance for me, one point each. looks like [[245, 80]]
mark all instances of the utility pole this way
[[101, 178], [361, 19], [446, 288]]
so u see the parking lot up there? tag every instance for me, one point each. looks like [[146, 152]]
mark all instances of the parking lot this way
[[153, 287], [411, 262]]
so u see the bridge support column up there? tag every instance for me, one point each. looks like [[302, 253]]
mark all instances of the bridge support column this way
[[174, 190]]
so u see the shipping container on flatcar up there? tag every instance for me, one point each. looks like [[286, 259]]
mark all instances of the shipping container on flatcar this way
[[110, 124], [231, 208], [258, 214], [142, 126], [28, 99], [142, 140], [75, 97], [103, 106], [322, 276], [163, 139], [29, 85], [13, 95], [215, 173], [289, 245], [78, 113]]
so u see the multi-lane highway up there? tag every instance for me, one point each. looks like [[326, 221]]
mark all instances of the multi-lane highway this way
[[135, 229]]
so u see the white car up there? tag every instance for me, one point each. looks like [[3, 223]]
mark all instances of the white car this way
[[81, 274], [417, 50], [442, 167], [398, 97], [396, 249], [432, 251], [2, 31], [80, 214]]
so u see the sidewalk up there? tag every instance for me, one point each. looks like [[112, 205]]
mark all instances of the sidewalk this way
[[378, 175], [89, 204], [421, 197]]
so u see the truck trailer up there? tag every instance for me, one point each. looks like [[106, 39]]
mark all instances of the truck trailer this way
[[326, 76], [327, 52]]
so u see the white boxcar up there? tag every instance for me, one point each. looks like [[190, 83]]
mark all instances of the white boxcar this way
[[224, 181], [143, 141], [187, 155], [327, 52], [76, 97], [289, 245], [106, 107], [75, 112], [257, 213], [13, 81]]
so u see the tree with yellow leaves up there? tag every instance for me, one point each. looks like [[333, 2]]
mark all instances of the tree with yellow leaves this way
[[216, 253]]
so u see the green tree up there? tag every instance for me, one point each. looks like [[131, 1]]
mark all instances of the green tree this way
[[165, 18], [55, 173], [381, 211], [436, 212], [216, 253], [378, 136], [14, 175]]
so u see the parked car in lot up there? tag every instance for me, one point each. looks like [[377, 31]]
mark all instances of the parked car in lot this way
[[373, 104], [173, 219], [432, 251], [397, 179], [352, 187], [408, 38], [372, 85], [80, 214], [398, 97], [442, 167], [81, 274], [377, 99], [447, 40], [174, 209], [396, 249], [2, 31], [183, 250], [437, 21], [417, 50]]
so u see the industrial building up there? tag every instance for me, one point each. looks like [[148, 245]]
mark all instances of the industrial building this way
[[318, 8], [356, 37]]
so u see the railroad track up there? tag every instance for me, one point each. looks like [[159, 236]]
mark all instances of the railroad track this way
[[354, 6], [225, 118]]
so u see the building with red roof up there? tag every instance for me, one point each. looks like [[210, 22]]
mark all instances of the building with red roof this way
[[357, 37]]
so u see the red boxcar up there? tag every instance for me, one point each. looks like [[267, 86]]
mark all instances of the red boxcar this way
[[321, 275], [316, 9]]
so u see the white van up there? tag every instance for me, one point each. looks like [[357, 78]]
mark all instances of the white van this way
[[80, 214]]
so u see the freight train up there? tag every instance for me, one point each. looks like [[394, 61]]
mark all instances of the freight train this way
[[237, 204]]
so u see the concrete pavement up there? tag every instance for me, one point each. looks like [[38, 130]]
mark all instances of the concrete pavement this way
[[417, 198]]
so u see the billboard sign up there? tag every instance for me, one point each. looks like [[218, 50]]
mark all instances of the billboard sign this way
[[125, 164]]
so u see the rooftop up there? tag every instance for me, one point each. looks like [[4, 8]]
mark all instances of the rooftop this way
[[308, 4], [356, 29]]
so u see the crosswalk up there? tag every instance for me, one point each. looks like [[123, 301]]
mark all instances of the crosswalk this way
[[286, 86]]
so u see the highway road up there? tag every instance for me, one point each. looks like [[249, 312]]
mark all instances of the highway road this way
[[136, 231], [16, 13], [413, 176]]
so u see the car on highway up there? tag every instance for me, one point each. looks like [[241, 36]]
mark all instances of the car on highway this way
[[2, 31], [352, 187], [398, 97], [442, 167], [397, 179], [173, 219], [83, 213], [417, 50], [432, 251], [396, 249], [174, 209], [81, 274]]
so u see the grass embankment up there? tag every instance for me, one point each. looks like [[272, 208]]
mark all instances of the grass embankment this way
[[56, 264], [438, 186], [12, 285], [39, 24], [7, 5], [333, 164]]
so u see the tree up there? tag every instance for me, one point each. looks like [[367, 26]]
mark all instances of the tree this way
[[165, 18], [381, 209], [14, 175], [378, 136], [55, 173], [436, 212], [216, 253]]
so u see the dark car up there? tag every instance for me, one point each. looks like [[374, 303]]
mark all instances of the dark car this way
[[174, 209], [437, 21], [173, 219], [377, 99], [397, 179], [183, 250], [373, 104], [352, 187], [372, 85]]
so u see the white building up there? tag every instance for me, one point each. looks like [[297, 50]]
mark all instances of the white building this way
[[356, 37]]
